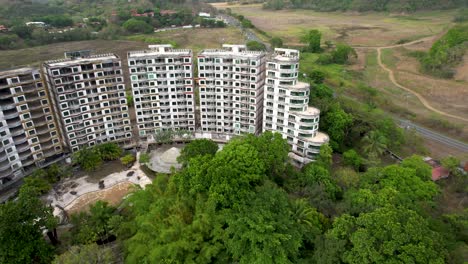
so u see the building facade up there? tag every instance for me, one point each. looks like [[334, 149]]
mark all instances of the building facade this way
[[28, 130], [231, 83], [163, 91], [286, 107], [88, 96]]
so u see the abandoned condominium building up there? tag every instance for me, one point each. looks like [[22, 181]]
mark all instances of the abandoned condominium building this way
[[88, 95], [163, 91], [231, 83], [28, 129], [286, 107]]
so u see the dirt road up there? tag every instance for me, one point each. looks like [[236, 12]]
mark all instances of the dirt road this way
[[391, 75]]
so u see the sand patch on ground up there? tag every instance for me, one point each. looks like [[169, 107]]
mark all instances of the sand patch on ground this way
[[462, 69], [113, 195]]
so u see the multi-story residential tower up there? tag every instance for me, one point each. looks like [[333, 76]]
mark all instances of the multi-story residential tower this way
[[89, 98], [28, 132], [231, 84], [286, 107], [162, 85]]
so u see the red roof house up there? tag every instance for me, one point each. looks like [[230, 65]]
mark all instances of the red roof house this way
[[167, 12], [439, 173]]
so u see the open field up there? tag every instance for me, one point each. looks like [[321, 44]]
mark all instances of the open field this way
[[369, 29], [196, 39]]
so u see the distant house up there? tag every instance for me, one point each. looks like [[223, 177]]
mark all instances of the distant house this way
[[438, 172], [3, 28], [203, 14], [135, 13], [36, 24], [167, 12]]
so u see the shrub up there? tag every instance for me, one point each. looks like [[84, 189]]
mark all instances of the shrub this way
[[137, 26]]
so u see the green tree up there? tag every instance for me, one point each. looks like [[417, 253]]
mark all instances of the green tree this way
[[21, 224], [127, 160], [108, 151], [276, 42], [374, 143], [353, 159], [336, 122], [255, 45], [451, 163], [22, 31], [386, 235], [312, 39], [88, 159], [93, 226], [197, 147], [137, 26], [273, 152], [91, 253], [255, 235], [342, 53]]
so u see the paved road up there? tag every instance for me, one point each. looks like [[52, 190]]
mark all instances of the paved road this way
[[249, 34], [434, 135]]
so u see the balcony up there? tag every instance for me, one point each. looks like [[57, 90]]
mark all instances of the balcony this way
[[7, 106], [6, 172], [22, 147], [14, 123], [20, 139], [5, 165], [10, 114]]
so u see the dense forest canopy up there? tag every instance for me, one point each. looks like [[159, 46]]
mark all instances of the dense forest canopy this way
[[366, 5]]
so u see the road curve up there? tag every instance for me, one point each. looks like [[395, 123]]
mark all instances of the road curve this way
[[391, 75]]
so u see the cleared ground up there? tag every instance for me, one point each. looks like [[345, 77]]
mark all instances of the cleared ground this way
[[369, 29], [196, 39], [113, 196]]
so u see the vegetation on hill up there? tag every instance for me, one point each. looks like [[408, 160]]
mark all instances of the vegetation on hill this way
[[365, 5], [84, 20], [446, 52]]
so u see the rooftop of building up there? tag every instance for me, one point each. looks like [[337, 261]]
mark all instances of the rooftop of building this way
[[155, 50], [229, 50], [310, 111], [87, 59], [320, 138], [16, 71], [286, 55]]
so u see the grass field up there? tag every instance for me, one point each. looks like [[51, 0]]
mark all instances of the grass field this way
[[369, 29], [195, 39]]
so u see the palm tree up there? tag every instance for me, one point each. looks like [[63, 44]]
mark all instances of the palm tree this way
[[374, 143]]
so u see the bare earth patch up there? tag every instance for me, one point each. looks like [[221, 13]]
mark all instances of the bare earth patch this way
[[462, 70], [113, 195]]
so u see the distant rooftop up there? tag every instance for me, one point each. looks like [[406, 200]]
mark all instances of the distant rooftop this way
[[159, 50], [285, 54], [229, 49], [72, 61], [16, 71]]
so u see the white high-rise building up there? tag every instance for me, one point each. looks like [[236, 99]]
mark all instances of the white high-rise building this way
[[231, 83], [88, 96], [28, 131], [286, 107], [162, 85]]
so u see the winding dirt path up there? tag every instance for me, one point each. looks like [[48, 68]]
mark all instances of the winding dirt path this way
[[392, 78]]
